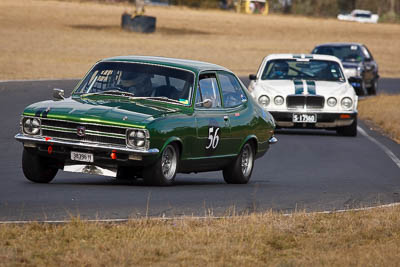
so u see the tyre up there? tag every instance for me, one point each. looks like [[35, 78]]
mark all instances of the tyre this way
[[374, 86], [36, 168], [362, 89], [163, 172], [241, 168], [350, 130]]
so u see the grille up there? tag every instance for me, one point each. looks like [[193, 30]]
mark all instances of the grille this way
[[310, 102], [93, 133]]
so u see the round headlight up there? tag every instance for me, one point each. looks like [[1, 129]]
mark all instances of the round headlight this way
[[263, 101], [139, 143], [140, 135], [137, 139], [331, 101], [347, 103], [31, 126], [278, 100]]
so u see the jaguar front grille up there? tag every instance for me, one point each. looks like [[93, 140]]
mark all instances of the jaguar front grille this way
[[305, 101]]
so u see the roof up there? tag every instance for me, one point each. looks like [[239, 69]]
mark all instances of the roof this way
[[302, 56], [339, 44], [193, 65]]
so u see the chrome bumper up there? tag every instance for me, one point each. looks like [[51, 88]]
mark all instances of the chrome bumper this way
[[336, 123], [30, 141]]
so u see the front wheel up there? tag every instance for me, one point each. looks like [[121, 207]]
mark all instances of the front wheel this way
[[36, 169], [163, 172], [240, 170], [374, 86]]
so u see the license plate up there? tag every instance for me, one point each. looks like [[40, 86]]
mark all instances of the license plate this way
[[85, 157], [307, 118]]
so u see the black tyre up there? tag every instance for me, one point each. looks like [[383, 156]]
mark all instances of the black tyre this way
[[362, 89], [241, 168], [374, 86], [36, 168], [163, 172], [350, 130]]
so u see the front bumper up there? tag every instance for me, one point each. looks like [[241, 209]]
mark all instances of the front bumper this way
[[356, 81], [324, 120], [31, 141]]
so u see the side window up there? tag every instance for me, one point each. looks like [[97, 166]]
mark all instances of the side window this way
[[232, 93], [366, 53], [208, 89]]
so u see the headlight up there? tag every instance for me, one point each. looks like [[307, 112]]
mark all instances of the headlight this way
[[31, 126], [278, 100], [347, 103], [263, 101], [331, 101], [359, 71], [138, 139]]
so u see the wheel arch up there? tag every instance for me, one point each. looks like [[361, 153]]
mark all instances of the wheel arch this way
[[173, 140], [253, 140]]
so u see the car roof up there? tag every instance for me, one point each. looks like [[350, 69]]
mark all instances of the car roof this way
[[339, 44], [193, 65], [302, 56]]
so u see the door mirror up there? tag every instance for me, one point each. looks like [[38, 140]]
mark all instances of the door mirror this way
[[252, 77], [207, 103], [58, 94]]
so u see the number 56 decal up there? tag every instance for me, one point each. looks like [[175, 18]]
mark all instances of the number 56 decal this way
[[213, 137]]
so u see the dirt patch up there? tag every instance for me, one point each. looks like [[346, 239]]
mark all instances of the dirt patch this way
[[66, 38]]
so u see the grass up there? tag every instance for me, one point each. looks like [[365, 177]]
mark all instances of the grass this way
[[383, 113], [364, 238], [62, 39]]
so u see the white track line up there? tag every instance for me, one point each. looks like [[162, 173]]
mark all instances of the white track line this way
[[391, 155], [194, 217]]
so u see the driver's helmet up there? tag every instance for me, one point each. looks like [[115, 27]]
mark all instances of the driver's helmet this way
[[281, 68], [135, 82]]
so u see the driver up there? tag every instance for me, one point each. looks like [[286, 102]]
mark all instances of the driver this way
[[280, 70], [137, 83]]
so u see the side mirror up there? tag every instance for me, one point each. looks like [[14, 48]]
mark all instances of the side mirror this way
[[58, 94], [207, 103], [252, 77]]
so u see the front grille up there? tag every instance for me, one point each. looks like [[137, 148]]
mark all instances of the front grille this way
[[93, 133], [305, 101]]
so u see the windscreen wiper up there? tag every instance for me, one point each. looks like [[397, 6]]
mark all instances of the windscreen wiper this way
[[111, 92], [163, 98]]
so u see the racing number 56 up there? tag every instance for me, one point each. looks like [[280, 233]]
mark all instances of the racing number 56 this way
[[213, 138]]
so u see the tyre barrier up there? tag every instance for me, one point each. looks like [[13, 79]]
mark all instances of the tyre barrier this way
[[140, 23]]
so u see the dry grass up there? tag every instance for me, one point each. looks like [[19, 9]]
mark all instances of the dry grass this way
[[52, 39], [367, 238], [382, 111]]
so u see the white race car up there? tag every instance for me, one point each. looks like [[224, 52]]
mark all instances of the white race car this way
[[306, 91], [358, 15]]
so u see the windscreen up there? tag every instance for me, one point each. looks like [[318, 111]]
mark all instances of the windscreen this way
[[139, 80], [350, 53], [319, 70]]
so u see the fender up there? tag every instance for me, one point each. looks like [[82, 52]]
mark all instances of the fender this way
[[171, 140], [252, 136]]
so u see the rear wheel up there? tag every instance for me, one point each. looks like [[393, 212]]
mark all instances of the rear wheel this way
[[163, 172], [350, 130], [240, 170], [36, 168]]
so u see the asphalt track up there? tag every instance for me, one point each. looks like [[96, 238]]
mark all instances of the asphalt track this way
[[305, 170]]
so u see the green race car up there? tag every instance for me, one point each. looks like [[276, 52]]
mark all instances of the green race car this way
[[147, 117]]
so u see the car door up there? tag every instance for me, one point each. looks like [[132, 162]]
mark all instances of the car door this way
[[236, 108], [212, 123], [369, 67]]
